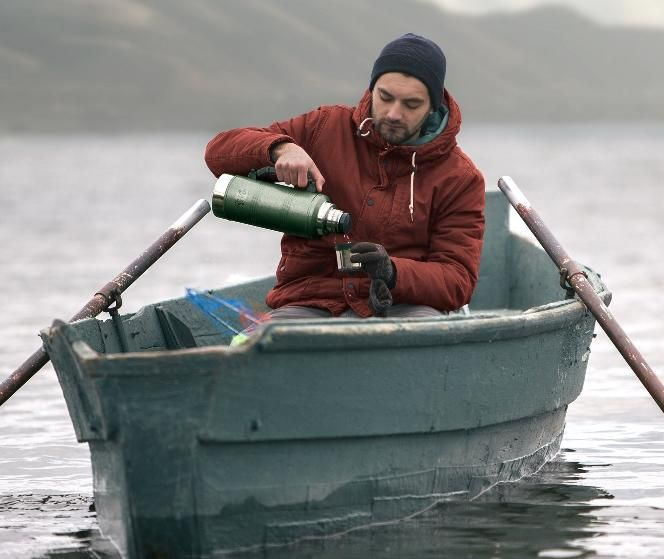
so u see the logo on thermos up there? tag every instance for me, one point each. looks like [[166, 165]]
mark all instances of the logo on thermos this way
[[242, 195]]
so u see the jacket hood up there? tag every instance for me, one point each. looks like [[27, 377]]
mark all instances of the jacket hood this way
[[440, 145]]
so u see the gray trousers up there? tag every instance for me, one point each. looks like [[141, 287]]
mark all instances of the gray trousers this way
[[297, 312]]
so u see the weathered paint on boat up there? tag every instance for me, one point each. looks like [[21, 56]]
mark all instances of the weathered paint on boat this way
[[318, 427]]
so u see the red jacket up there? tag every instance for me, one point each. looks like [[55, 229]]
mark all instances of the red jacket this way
[[436, 254]]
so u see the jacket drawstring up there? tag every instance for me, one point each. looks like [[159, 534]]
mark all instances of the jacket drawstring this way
[[359, 128], [411, 207]]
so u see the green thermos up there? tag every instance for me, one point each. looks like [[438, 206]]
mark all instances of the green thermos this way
[[278, 207]]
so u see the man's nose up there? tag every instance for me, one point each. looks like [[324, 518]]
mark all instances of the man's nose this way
[[394, 112]]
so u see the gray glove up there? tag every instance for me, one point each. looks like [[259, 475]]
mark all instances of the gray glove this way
[[380, 297], [375, 262]]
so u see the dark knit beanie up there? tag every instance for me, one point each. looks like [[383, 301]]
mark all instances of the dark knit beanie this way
[[416, 56]]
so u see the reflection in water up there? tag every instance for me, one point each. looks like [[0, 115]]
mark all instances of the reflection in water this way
[[521, 519], [546, 515]]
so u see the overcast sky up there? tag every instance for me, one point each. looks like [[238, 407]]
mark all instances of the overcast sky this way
[[625, 12]]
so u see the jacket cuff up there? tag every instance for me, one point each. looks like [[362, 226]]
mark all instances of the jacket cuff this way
[[393, 281], [275, 142]]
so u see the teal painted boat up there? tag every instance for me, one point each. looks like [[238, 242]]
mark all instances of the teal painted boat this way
[[319, 427]]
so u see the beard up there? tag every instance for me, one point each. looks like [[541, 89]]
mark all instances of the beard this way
[[396, 131]]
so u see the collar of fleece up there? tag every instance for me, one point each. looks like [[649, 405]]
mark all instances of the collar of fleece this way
[[432, 127]]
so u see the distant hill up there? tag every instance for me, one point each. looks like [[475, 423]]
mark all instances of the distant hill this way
[[131, 65]]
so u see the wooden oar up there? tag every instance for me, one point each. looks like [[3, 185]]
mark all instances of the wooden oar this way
[[578, 281], [110, 292]]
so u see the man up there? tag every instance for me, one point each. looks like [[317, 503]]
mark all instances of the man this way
[[392, 162]]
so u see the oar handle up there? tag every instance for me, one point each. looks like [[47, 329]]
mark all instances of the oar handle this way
[[107, 294], [582, 287]]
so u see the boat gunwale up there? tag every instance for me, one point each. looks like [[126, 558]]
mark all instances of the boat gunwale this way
[[326, 334]]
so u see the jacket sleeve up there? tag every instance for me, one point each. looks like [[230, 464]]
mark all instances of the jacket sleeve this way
[[240, 150], [446, 278]]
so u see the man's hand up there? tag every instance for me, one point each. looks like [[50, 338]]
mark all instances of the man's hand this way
[[375, 262], [293, 165]]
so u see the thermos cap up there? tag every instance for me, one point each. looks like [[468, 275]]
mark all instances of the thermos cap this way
[[345, 223]]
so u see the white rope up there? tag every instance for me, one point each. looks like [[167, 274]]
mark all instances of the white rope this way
[[411, 207]]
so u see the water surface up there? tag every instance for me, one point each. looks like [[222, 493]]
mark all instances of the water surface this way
[[77, 209]]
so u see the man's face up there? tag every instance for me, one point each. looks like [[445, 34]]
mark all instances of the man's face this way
[[399, 107]]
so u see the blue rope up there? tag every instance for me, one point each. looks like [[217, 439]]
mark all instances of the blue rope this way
[[210, 305]]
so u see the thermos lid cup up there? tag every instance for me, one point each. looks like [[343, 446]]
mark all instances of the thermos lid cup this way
[[219, 193]]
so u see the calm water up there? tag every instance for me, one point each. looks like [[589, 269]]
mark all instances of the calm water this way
[[76, 210]]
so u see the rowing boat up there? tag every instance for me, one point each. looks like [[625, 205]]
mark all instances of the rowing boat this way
[[318, 427]]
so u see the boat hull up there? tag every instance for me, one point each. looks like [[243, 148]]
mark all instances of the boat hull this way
[[315, 428], [293, 506], [199, 451]]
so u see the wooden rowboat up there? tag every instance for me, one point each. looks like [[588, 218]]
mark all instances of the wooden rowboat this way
[[315, 428]]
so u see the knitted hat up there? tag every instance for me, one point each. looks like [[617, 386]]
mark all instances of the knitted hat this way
[[416, 56]]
